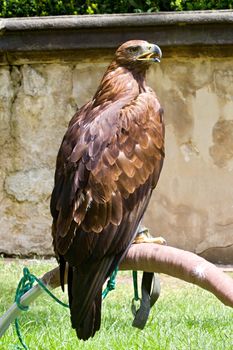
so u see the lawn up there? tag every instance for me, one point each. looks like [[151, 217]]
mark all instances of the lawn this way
[[185, 317]]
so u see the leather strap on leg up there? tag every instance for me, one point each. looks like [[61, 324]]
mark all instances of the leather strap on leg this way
[[150, 288]]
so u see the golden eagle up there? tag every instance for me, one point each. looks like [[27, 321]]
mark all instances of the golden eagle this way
[[109, 162]]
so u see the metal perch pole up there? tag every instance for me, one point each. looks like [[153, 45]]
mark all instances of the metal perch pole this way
[[148, 257]]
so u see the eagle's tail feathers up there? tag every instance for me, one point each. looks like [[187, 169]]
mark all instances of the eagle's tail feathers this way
[[92, 321], [86, 297]]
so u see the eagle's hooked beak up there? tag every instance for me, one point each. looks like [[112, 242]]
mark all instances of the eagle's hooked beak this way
[[152, 53]]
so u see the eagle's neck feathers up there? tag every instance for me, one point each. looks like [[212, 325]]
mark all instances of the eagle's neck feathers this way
[[119, 82]]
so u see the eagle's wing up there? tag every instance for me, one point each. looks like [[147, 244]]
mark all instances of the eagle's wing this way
[[109, 161]]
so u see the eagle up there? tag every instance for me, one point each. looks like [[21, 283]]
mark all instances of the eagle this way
[[107, 166]]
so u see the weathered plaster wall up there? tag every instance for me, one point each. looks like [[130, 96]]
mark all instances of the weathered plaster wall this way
[[193, 207], [193, 204], [36, 103]]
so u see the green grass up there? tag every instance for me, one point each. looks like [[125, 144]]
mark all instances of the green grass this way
[[185, 317]]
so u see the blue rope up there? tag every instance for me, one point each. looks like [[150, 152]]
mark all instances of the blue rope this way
[[26, 283], [111, 284], [18, 332]]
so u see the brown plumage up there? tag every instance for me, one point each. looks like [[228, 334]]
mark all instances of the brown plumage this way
[[107, 166]]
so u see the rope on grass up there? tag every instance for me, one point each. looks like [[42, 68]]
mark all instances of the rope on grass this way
[[26, 283]]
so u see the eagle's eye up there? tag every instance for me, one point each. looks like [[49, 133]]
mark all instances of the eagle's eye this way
[[134, 49]]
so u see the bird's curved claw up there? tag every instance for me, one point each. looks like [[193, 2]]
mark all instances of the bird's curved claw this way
[[143, 236]]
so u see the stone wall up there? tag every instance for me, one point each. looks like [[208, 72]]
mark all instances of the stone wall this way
[[193, 204], [36, 103]]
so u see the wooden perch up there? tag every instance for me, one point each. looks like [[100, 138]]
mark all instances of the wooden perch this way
[[181, 264], [149, 257]]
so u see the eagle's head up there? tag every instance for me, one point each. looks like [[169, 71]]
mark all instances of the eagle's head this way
[[138, 53]]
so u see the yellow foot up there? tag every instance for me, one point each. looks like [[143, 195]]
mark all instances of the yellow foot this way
[[143, 236]]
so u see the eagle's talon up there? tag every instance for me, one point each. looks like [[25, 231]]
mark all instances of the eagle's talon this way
[[142, 238]]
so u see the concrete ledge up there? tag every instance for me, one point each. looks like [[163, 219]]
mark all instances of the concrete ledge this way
[[117, 20], [65, 36]]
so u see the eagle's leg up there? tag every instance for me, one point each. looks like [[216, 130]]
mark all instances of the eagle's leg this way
[[143, 236]]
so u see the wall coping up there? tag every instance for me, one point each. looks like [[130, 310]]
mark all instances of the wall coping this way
[[118, 20], [64, 36]]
